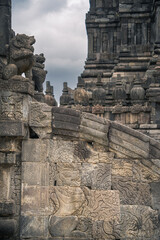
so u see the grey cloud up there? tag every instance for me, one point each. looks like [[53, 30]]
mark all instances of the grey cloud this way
[[51, 5]]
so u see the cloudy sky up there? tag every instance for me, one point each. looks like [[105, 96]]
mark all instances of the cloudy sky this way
[[59, 29]]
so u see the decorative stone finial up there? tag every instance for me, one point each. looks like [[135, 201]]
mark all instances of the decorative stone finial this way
[[137, 92]]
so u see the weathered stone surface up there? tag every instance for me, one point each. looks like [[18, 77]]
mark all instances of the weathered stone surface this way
[[40, 119], [122, 168], [4, 183], [61, 151], [12, 129], [103, 230], [33, 226], [132, 193], [67, 200], [62, 227], [66, 174], [102, 205], [134, 145], [7, 209], [34, 150], [35, 199], [83, 151], [7, 228], [7, 158], [18, 84], [96, 176], [155, 193], [35, 174], [137, 222], [85, 225], [143, 171]]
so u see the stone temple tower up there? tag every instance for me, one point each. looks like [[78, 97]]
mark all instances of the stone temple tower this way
[[121, 76]]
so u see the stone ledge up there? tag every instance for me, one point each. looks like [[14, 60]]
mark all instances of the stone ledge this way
[[12, 129], [17, 84], [7, 209]]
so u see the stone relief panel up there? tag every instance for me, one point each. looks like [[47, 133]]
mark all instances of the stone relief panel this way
[[102, 205], [66, 174], [103, 230], [11, 106], [96, 176], [142, 173], [132, 193], [137, 222], [82, 190], [66, 200], [61, 151], [70, 227]]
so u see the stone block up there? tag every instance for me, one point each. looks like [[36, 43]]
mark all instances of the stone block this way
[[66, 200], [4, 183], [62, 227], [7, 209], [12, 129], [155, 193], [132, 193], [58, 117], [10, 144], [154, 149], [92, 135], [18, 84], [14, 106], [105, 157], [130, 143], [67, 174], [61, 151], [103, 230], [33, 150], [84, 152], [143, 171], [95, 119], [7, 228], [35, 199], [99, 126], [33, 227], [122, 168], [70, 227], [9, 158], [35, 173], [96, 176], [65, 125], [129, 131], [40, 115], [102, 205], [137, 222]]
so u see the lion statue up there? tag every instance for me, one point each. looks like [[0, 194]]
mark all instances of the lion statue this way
[[20, 56]]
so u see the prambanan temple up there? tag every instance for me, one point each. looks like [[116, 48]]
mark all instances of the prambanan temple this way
[[89, 169]]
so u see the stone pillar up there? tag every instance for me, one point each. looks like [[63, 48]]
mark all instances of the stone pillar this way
[[5, 24], [157, 22]]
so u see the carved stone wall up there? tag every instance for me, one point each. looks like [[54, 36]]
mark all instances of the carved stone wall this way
[[93, 179]]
